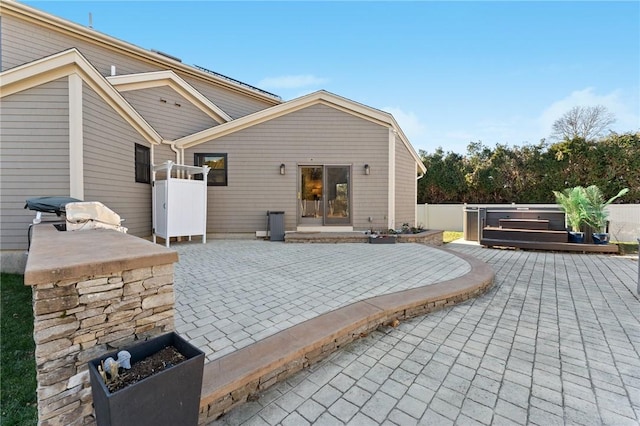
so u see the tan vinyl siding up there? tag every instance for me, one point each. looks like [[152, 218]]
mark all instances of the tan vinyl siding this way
[[228, 101], [406, 188], [173, 119], [24, 42], [163, 153], [109, 172], [315, 135], [34, 155]]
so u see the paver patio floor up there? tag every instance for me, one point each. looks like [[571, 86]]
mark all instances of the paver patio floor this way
[[230, 294], [555, 341]]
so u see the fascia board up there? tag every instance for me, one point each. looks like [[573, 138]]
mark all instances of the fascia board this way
[[57, 24], [14, 81], [321, 97], [382, 116], [69, 62], [129, 82], [409, 147], [261, 116]]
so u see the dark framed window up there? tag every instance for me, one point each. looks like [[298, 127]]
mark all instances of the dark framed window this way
[[143, 163], [217, 163]]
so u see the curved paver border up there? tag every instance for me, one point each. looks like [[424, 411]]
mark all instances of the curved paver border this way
[[232, 379]]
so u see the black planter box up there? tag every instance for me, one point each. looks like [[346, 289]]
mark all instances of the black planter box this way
[[383, 240], [170, 397]]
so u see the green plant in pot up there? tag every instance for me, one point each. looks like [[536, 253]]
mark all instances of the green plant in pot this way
[[573, 203], [596, 213]]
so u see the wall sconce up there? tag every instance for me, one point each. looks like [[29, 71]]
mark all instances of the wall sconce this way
[[282, 169], [367, 170], [164, 101]]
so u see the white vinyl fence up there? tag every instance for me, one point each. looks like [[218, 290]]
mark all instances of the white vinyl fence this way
[[624, 218]]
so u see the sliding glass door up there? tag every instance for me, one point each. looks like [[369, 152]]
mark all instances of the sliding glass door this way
[[337, 195], [324, 195], [310, 206]]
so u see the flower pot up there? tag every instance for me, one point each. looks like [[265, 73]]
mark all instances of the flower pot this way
[[387, 239], [169, 397], [600, 238], [576, 237]]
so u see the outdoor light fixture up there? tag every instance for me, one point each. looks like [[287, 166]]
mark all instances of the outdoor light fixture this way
[[282, 169], [367, 169]]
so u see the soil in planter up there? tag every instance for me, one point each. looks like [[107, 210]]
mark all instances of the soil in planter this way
[[161, 360]]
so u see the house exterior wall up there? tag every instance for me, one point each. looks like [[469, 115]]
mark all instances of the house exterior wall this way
[[34, 155], [316, 135], [406, 186], [162, 154], [24, 42], [167, 118], [229, 102], [109, 164]]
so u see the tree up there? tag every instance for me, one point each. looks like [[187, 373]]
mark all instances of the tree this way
[[587, 123]]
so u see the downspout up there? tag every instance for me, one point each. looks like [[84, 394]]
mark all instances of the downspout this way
[[172, 145], [416, 192], [391, 191]]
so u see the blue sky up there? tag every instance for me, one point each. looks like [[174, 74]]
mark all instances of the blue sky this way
[[450, 72]]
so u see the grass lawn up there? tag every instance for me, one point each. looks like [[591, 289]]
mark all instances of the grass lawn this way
[[449, 236], [627, 248], [17, 361]]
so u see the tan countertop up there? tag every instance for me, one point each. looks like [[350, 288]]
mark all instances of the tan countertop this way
[[56, 256]]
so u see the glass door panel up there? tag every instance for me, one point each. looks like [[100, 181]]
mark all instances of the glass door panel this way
[[310, 193], [337, 195]]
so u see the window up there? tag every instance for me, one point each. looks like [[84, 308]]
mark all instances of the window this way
[[217, 163], [143, 164]]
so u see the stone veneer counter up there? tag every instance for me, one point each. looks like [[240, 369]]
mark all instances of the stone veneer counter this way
[[93, 291], [56, 255]]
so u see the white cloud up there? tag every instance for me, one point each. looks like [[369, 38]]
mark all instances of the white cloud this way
[[627, 115], [291, 81], [410, 125]]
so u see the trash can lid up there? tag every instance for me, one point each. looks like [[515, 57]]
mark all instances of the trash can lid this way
[[270, 213]]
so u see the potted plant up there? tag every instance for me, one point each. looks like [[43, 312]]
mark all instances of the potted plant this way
[[170, 395], [596, 214], [387, 237], [573, 202]]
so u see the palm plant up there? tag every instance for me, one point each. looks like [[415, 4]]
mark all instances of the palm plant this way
[[573, 202], [596, 214]]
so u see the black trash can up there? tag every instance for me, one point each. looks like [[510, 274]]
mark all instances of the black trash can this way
[[275, 226]]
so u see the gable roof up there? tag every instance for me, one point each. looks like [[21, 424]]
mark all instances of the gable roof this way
[[70, 62], [169, 78], [320, 97], [24, 12]]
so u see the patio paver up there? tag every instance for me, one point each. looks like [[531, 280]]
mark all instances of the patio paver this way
[[556, 340], [230, 294]]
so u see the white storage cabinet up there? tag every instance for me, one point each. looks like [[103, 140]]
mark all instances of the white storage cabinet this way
[[179, 201]]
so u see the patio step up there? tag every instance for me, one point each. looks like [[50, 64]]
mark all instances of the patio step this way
[[241, 375], [539, 224], [533, 235], [551, 246]]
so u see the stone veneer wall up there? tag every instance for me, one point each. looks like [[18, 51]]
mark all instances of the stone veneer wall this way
[[429, 237], [87, 303]]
